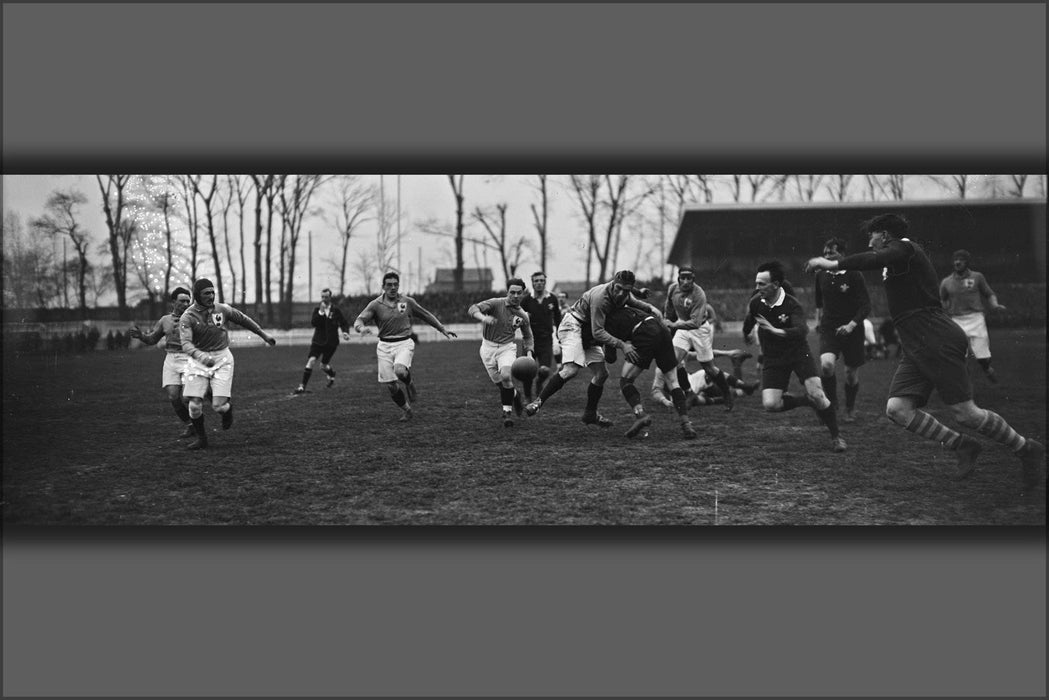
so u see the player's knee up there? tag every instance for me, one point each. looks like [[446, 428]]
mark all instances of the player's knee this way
[[310, 362], [568, 371], [174, 392], [898, 411], [402, 373], [196, 408], [625, 382], [771, 404]]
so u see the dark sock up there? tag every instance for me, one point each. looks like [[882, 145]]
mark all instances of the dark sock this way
[[553, 384], [830, 388], [198, 425], [506, 395], [306, 376], [180, 410], [829, 417], [631, 394], [850, 395], [398, 397], [721, 383], [682, 379], [593, 396], [792, 401], [680, 402]]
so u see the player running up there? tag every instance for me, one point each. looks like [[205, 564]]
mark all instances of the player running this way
[[327, 320], [502, 317]]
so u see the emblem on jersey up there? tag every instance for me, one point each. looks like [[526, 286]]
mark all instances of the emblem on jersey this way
[[687, 302], [217, 317], [516, 322], [402, 306], [844, 288], [968, 283], [783, 318]]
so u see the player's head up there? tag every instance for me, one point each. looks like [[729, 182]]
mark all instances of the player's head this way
[[621, 287], [769, 279], [834, 249], [686, 277], [515, 288], [539, 282], [326, 295], [204, 292], [180, 300], [391, 283], [961, 260], [884, 227]]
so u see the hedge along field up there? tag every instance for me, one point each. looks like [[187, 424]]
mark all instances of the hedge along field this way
[[91, 440]]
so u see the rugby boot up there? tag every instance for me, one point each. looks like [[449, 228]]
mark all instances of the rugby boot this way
[[595, 418], [838, 444], [687, 430], [331, 378], [189, 431], [967, 452], [533, 408], [850, 416], [406, 415], [300, 389], [227, 418], [642, 422], [508, 420], [1032, 456]]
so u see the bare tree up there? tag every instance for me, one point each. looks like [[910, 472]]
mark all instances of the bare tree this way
[[238, 190], [29, 267], [61, 220], [263, 193], [114, 205], [956, 185], [540, 217], [887, 186], [457, 190], [807, 186], [187, 186], [493, 219], [1017, 183], [837, 187], [207, 197], [295, 207], [353, 200]]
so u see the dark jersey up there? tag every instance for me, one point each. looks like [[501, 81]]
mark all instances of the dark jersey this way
[[326, 327], [786, 313], [620, 323], [911, 282], [543, 314], [843, 296]]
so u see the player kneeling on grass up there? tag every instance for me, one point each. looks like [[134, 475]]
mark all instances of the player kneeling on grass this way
[[782, 328], [502, 317], [175, 361], [205, 339], [645, 338]]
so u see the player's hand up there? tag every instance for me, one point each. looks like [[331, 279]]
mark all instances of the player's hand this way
[[363, 330], [845, 329], [270, 340], [748, 339], [345, 335], [818, 263], [999, 308], [452, 334], [209, 361], [135, 332], [630, 353]]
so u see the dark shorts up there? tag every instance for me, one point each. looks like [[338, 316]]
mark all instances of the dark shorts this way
[[653, 341], [849, 347], [777, 375], [544, 351], [934, 351], [322, 351]]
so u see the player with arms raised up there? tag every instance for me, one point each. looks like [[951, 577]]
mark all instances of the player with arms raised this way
[[502, 317], [392, 313]]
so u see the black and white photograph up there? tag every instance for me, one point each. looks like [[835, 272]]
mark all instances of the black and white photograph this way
[[693, 350]]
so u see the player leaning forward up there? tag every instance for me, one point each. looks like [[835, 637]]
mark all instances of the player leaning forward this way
[[934, 351], [392, 312], [202, 328], [502, 316]]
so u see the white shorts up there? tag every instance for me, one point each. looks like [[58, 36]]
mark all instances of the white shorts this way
[[975, 326], [700, 340], [570, 335], [390, 354], [199, 377], [495, 356], [175, 364]]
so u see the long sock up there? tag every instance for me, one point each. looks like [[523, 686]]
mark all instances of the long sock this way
[[180, 410], [552, 386], [851, 390], [931, 429], [507, 397], [830, 388], [306, 376], [995, 427], [398, 397], [682, 378], [680, 401], [593, 396], [631, 394], [198, 425], [829, 417], [721, 383], [792, 401]]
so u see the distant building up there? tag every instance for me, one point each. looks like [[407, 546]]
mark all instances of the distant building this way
[[475, 279]]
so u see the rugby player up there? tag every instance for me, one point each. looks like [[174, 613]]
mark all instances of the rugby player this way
[[544, 314], [202, 329], [934, 351], [964, 293], [327, 320], [782, 331], [393, 313], [502, 317]]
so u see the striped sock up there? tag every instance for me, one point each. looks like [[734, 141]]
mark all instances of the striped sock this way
[[995, 427], [928, 427]]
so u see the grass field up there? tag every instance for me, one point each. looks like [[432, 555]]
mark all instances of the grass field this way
[[91, 440]]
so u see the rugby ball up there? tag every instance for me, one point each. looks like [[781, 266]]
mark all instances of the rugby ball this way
[[524, 368]]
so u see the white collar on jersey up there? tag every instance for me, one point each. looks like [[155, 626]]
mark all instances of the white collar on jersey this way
[[778, 300]]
